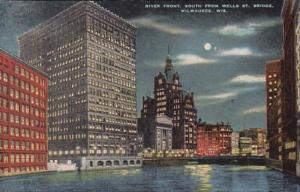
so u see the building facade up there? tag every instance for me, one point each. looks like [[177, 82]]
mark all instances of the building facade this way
[[245, 145], [258, 136], [297, 54], [289, 91], [23, 117], [235, 137], [213, 139], [89, 54], [274, 147], [157, 132], [172, 100]]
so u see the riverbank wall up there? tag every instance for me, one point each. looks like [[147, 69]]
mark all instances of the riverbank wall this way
[[274, 164], [164, 162]]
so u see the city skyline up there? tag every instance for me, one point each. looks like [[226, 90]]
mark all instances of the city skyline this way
[[228, 53]]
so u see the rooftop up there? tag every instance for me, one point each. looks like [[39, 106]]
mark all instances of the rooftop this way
[[71, 7], [21, 61]]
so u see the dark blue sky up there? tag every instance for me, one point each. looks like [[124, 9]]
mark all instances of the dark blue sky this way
[[227, 77]]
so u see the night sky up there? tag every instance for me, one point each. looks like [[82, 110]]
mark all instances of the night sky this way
[[226, 75]]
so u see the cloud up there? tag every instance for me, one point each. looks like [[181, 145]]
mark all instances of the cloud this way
[[204, 100], [246, 28], [191, 59], [236, 30], [221, 96], [257, 109], [248, 79], [156, 23], [242, 51]]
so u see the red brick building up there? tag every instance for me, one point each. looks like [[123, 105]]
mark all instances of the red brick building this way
[[213, 140], [274, 112], [23, 117]]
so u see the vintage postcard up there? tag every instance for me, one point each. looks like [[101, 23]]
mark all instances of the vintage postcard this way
[[150, 96]]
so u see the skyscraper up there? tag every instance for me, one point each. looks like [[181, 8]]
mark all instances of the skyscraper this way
[[89, 54], [274, 149], [289, 92], [172, 100], [23, 119]]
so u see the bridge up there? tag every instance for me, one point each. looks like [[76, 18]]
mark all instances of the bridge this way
[[222, 160]]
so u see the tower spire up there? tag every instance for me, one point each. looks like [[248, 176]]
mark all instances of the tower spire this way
[[169, 65]]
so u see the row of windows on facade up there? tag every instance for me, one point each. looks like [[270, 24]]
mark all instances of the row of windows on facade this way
[[22, 158], [70, 81], [114, 100], [103, 36], [117, 65], [21, 120], [58, 87], [19, 107], [84, 151], [20, 169], [111, 27], [62, 112], [64, 120], [21, 97], [66, 57], [60, 69], [63, 71], [62, 105], [110, 70], [111, 112], [111, 21], [114, 94], [25, 86], [116, 80], [62, 97], [21, 145], [97, 126], [128, 57], [98, 118], [117, 51], [272, 75], [21, 132], [30, 76], [75, 43], [119, 101]]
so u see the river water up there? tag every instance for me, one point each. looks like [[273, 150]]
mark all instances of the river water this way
[[194, 178]]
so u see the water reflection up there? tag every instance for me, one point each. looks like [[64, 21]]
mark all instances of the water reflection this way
[[204, 174], [189, 178]]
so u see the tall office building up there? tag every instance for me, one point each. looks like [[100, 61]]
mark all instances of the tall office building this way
[[23, 119], [172, 100], [296, 13], [290, 12], [89, 54], [274, 148]]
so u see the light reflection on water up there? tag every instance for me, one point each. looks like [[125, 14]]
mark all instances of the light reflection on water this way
[[188, 178]]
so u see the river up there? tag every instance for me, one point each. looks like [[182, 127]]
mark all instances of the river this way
[[188, 178]]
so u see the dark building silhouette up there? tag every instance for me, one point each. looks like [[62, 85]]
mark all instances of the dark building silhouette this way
[[274, 112], [23, 117], [284, 133], [172, 100], [289, 105]]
